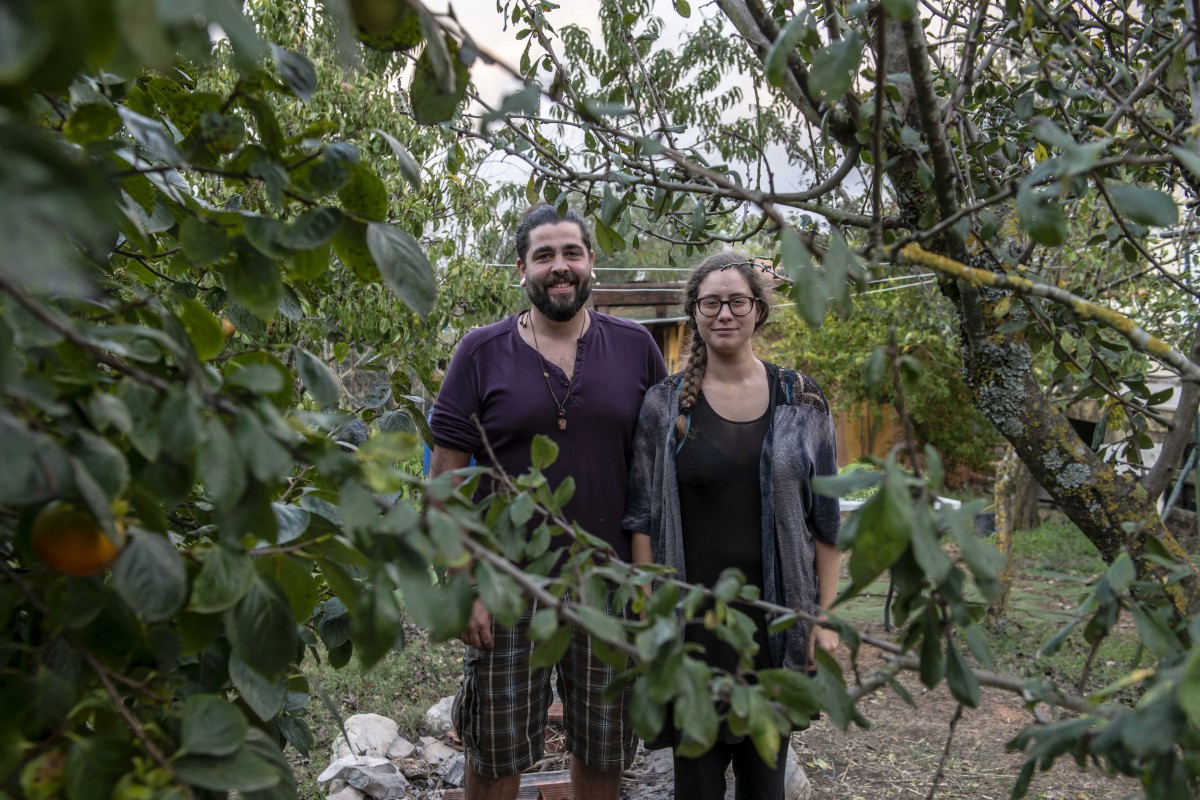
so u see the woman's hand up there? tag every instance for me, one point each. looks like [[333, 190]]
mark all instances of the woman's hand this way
[[826, 639]]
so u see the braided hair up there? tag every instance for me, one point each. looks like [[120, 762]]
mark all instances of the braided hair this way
[[697, 362]]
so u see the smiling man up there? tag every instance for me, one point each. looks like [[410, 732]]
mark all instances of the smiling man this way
[[578, 377]]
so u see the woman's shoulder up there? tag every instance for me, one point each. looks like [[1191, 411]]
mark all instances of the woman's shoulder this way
[[794, 388]]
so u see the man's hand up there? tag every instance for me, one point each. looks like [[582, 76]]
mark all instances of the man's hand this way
[[479, 628]]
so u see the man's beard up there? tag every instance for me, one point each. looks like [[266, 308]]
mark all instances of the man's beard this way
[[561, 310]]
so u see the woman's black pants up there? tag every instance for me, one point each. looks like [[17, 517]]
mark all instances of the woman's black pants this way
[[703, 778]]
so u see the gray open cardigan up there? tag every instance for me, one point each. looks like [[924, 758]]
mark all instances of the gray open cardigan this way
[[799, 444]]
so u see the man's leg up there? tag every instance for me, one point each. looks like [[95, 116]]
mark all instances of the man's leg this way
[[500, 712], [590, 784], [481, 788], [600, 737]]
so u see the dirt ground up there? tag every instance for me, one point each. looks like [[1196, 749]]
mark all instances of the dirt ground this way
[[898, 756]]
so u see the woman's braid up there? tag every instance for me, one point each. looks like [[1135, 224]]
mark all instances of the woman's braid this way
[[693, 377]]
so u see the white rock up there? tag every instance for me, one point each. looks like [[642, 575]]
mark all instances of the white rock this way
[[349, 793], [380, 783], [335, 768], [795, 782], [340, 768], [369, 735], [437, 718], [436, 752], [660, 762], [400, 748]]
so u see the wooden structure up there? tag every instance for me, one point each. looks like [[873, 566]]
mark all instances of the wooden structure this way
[[653, 304], [862, 429]]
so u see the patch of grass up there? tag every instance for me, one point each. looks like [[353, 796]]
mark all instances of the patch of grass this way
[[1054, 568], [1057, 545], [401, 687]]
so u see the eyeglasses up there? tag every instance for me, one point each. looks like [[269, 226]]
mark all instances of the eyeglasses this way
[[739, 305]]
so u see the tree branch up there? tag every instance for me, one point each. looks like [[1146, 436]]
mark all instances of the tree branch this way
[[1085, 309]]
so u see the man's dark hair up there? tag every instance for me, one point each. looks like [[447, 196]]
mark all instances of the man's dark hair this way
[[546, 214]]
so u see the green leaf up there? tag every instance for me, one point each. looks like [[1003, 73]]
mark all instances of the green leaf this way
[[835, 66], [211, 726], [785, 45], [103, 461], [598, 623], [901, 9], [202, 242], [311, 229], [500, 594], [1155, 633], [403, 265], [262, 363], [350, 246], [261, 628], [95, 765], [225, 576], [1041, 218], [218, 465], [152, 135], [376, 624], [1189, 160], [202, 327], [961, 680], [1144, 205], [543, 452], [319, 380], [883, 528], [434, 99], [253, 281], [150, 576], [241, 771], [1188, 690], [875, 370], [92, 122], [294, 577], [551, 648], [264, 696], [297, 72], [365, 195], [808, 285], [443, 610], [408, 165], [933, 656], [1121, 573]]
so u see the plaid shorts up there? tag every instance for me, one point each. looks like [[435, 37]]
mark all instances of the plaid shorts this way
[[500, 709]]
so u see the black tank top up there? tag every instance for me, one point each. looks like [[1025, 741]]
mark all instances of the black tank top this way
[[721, 509]]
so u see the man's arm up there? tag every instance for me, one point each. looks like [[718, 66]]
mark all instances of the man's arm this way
[[479, 626], [445, 459]]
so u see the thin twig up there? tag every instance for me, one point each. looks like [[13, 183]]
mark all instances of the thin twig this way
[[941, 768]]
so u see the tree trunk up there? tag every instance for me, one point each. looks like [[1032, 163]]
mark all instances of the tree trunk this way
[[1022, 499]]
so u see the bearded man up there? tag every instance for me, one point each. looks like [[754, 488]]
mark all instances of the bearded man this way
[[576, 376]]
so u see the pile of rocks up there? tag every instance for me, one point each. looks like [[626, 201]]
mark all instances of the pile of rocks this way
[[373, 762]]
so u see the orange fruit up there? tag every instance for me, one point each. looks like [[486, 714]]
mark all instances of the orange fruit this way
[[70, 540], [227, 327]]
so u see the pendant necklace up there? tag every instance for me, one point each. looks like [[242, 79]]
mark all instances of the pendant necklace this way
[[562, 406]]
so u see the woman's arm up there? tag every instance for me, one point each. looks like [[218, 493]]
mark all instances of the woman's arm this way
[[827, 562]]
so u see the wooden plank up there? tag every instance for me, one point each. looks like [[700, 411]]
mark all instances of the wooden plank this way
[[546, 778], [558, 791]]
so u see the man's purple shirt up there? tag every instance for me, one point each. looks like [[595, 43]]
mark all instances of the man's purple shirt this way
[[495, 375]]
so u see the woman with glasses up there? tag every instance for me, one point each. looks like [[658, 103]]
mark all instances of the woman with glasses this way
[[723, 458]]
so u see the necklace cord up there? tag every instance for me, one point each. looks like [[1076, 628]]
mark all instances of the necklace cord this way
[[562, 406]]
